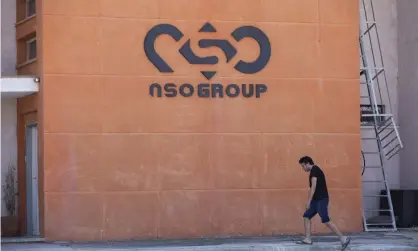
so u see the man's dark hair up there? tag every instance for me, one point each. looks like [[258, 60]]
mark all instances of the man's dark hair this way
[[306, 160]]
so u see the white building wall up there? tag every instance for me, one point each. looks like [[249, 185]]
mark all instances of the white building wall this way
[[8, 37], [8, 140], [408, 90], [387, 21], [387, 27], [8, 106]]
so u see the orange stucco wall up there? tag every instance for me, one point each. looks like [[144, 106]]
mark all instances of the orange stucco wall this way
[[119, 164]]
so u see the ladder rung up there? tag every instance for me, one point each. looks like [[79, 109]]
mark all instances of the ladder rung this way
[[378, 115], [377, 223], [374, 196], [367, 126], [386, 125], [398, 149], [377, 74], [371, 68], [394, 148], [387, 135], [387, 144], [380, 224], [368, 29], [369, 138], [376, 210], [362, 67], [377, 229], [373, 181], [371, 167]]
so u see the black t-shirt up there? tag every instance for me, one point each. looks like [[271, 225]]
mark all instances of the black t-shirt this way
[[321, 191]]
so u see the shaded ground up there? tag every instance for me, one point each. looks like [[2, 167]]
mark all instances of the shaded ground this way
[[404, 240]]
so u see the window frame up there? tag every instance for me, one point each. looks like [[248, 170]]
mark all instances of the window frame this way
[[27, 15], [28, 42]]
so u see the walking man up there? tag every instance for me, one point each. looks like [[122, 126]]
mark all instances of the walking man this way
[[318, 200]]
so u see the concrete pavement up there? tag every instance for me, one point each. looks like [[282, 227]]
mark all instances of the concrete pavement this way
[[404, 240]]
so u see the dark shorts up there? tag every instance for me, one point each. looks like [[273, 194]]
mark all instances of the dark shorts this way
[[318, 207]]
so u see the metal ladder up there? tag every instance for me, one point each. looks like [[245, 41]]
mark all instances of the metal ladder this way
[[380, 136]]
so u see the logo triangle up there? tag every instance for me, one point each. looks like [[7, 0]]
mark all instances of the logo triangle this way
[[208, 74], [207, 27]]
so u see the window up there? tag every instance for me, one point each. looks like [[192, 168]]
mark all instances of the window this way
[[368, 110], [30, 8], [31, 49]]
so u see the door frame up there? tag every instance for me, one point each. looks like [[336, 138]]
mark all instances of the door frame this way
[[24, 120]]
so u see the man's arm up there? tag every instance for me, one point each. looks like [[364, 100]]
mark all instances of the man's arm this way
[[312, 191]]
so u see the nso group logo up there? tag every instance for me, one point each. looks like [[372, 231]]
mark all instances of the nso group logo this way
[[208, 90]]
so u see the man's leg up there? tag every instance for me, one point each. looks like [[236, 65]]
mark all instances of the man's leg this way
[[334, 229], [323, 213], [307, 216], [307, 223]]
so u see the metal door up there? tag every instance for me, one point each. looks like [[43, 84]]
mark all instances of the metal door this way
[[32, 197]]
